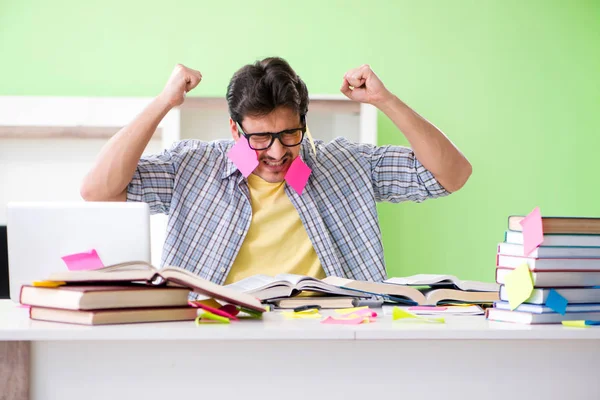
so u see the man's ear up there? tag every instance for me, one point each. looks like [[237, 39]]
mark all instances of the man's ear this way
[[234, 130]]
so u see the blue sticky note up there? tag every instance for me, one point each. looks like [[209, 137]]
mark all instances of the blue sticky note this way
[[556, 302]]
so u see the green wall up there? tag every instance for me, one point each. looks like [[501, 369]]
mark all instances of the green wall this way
[[515, 84]]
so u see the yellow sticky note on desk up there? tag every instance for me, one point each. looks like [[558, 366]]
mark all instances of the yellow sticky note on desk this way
[[400, 314], [519, 285], [575, 324], [344, 311], [300, 315]]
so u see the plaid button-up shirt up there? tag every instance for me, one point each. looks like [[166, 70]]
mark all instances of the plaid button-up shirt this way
[[208, 203]]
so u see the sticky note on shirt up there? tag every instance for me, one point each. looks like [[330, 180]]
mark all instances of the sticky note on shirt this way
[[243, 156], [83, 261], [519, 285], [311, 141], [533, 233], [556, 302], [297, 175]]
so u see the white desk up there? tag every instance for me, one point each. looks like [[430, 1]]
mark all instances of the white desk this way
[[468, 357]]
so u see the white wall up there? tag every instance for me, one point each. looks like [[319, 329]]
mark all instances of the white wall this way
[[51, 169]]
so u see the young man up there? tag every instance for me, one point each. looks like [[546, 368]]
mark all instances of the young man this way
[[225, 227]]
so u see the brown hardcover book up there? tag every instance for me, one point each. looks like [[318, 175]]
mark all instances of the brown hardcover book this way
[[428, 296], [560, 225], [144, 272], [115, 316], [93, 297]]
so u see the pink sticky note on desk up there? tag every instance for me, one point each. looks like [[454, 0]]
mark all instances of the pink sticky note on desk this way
[[83, 261], [243, 157], [341, 321], [297, 175], [427, 308], [533, 233]]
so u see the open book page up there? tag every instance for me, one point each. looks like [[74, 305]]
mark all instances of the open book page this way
[[444, 311], [205, 287], [263, 287], [253, 283], [443, 280], [378, 288], [310, 284], [293, 279], [128, 271], [286, 285]]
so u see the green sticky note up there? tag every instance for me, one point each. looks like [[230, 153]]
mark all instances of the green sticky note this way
[[519, 285], [576, 324], [398, 313]]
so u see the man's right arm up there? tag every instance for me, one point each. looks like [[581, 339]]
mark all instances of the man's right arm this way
[[116, 164]]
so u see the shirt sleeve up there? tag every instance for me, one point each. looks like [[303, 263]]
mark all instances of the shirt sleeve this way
[[398, 176], [154, 178]]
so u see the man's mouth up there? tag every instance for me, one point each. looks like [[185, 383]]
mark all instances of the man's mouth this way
[[276, 166], [275, 163]]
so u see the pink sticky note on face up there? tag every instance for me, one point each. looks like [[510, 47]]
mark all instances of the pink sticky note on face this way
[[533, 233], [83, 261], [243, 156], [297, 175]]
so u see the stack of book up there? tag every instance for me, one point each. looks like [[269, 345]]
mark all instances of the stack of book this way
[[125, 293], [107, 304], [564, 272]]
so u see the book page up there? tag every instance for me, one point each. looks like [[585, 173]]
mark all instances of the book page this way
[[423, 280], [211, 289], [443, 280], [293, 278], [252, 283]]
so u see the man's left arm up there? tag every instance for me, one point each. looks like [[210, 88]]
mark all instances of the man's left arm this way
[[431, 147]]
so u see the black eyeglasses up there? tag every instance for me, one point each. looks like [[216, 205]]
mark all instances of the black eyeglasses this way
[[264, 140]]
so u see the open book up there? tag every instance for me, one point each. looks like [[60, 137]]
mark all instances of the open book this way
[[139, 271], [451, 281], [411, 295], [267, 287]]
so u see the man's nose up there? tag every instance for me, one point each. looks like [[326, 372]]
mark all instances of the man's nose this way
[[277, 150]]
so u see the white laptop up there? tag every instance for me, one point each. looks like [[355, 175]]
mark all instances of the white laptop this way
[[40, 234]]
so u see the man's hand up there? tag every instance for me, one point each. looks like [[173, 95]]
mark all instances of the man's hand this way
[[182, 80], [363, 85]]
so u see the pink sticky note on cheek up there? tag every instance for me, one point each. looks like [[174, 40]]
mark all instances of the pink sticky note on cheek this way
[[533, 232], [243, 157], [297, 175], [83, 261]]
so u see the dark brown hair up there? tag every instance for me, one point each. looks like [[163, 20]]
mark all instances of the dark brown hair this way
[[257, 89]]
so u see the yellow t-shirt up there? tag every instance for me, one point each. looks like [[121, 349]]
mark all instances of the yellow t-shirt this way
[[276, 241]]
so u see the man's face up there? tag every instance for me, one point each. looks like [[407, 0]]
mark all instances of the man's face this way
[[273, 162]]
